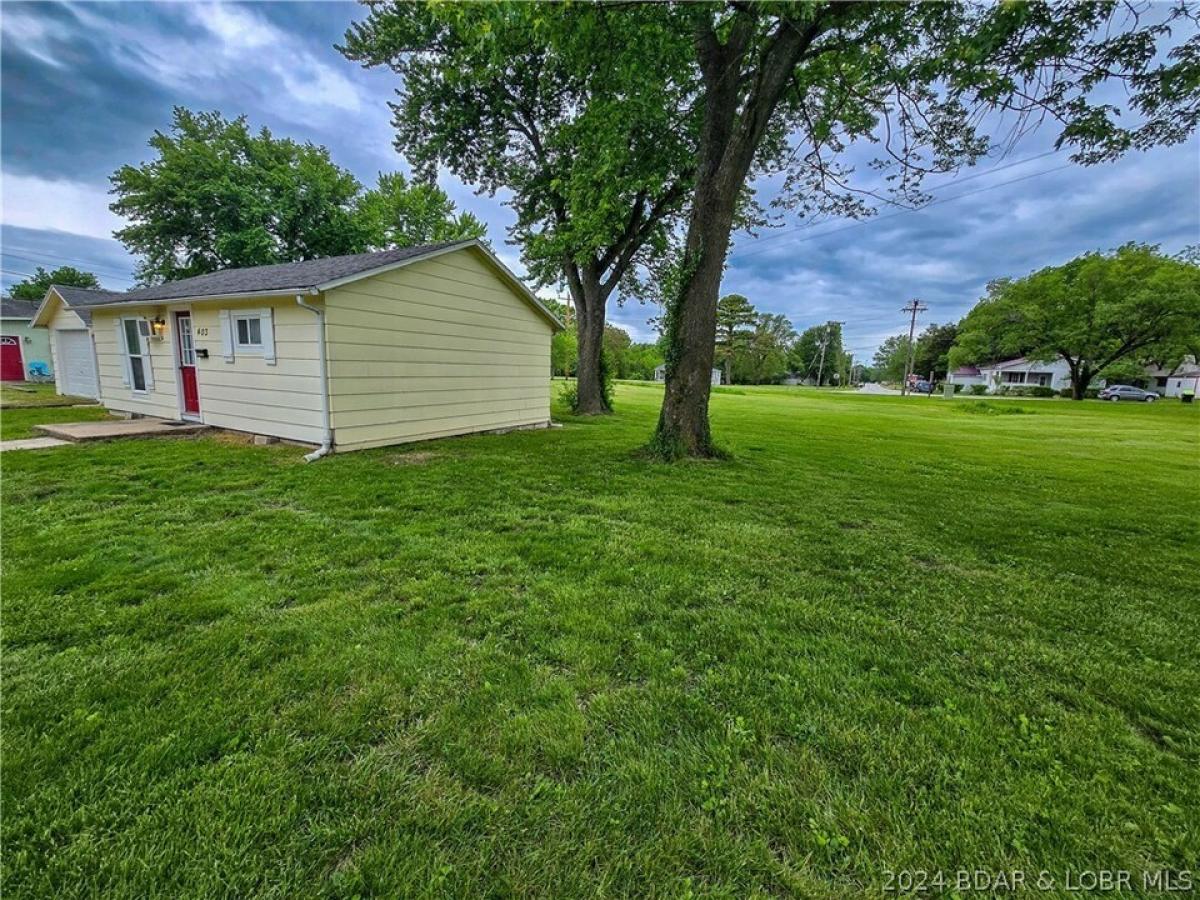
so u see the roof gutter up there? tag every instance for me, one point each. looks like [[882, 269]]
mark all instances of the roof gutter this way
[[327, 443]]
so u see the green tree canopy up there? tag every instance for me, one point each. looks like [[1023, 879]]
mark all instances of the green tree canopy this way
[[891, 358], [932, 351], [736, 317], [763, 358], [397, 213], [34, 287], [1092, 312], [218, 195], [805, 356], [552, 103]]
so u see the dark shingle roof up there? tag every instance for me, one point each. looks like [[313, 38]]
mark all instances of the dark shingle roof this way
[[256, 280], [12, 308], [284, 277]]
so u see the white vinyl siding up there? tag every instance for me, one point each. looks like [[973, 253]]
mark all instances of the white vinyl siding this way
[[247, 332], [112, 355], [275, 391], [436, 348], [251, 394]]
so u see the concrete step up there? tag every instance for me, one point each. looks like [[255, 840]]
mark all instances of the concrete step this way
[[119, 428]]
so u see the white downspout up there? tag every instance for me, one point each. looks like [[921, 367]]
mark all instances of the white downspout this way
[[327, 443]]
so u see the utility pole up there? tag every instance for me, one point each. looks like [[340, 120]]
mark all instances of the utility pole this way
[[824, 342], [912, 307]]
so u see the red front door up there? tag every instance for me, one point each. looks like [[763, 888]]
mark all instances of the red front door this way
[[187, 363], [12, 368]]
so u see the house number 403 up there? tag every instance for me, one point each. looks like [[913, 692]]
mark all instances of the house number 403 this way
[[201, 332]]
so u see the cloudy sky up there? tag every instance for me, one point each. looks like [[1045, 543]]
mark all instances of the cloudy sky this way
[[85, 85]]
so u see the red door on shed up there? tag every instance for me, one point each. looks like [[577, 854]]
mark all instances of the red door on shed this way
[[12, 367], [187, 363]]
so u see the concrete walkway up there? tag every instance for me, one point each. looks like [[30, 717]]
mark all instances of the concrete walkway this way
[[120, 428], [42, 443], [874, 388]]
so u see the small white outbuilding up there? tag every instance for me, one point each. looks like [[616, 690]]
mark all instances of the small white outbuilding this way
[[347, 352], [660, 374]]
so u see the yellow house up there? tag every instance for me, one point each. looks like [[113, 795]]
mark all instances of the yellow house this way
[[344, 353]]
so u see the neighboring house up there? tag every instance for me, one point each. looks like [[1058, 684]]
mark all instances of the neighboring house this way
[[347, 352], [24, 350], [1174, 382], [966, 376], [1014, 373], [1022, 372], [1057, 376], [68, 326], [660, 374]]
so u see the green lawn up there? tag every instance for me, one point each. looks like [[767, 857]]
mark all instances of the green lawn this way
[[889, 634], [19, 423], [31, 394]]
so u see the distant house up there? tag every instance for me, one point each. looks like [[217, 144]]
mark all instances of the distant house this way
[[1174, 382], [24, 350], [347, 352], [966, 376], [1014, 373], [1021, 372], [660, 374]]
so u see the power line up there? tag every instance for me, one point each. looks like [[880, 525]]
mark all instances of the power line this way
[[824, 343], [913, 307], [27, 256], [957, 180], [902, 212]]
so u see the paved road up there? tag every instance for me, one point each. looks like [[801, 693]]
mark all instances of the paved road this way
[[874, 388]]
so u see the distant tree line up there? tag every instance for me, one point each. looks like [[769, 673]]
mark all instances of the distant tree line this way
[[34, 286], [624, 357], [1107, 315]]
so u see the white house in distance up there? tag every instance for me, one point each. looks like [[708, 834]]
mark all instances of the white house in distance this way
[[1056, 375], [1172, 383], [1014, 373], [347, 353], [660, 374]]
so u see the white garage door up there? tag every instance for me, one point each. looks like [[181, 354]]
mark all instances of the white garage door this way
[[76, 365]]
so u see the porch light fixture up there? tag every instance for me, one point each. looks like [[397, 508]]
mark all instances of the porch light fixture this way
[[158, 326]]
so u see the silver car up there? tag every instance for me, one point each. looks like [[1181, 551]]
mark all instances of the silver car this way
[[1119, 392]]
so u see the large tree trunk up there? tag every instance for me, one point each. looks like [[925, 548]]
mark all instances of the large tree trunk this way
[[732, 130], [692, 326], [590, 298], [1080, 379]]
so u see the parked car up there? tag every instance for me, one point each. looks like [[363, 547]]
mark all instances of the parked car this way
[[921, 387], [1127, 392]]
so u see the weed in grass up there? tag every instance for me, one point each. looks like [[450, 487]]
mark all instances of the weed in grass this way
[[987, 408]]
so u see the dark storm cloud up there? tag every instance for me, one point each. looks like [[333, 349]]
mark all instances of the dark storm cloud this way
[[27, 248], [71, 108], [84, 86], [862, 273]]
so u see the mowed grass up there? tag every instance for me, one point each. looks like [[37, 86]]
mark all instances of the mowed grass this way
[[22, 406], [888, 634], [28, 394]]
